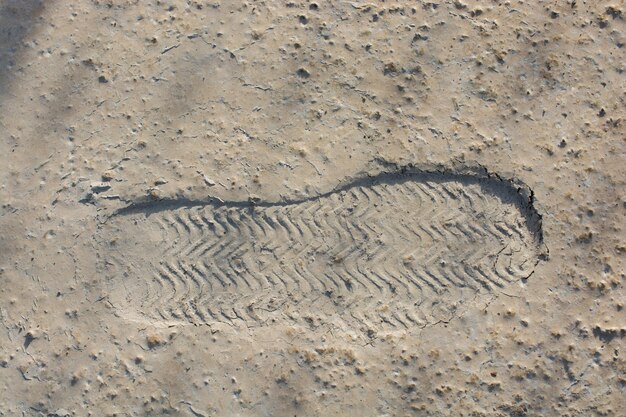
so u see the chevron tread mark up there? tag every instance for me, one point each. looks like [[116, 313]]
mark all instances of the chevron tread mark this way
[[380, 253]]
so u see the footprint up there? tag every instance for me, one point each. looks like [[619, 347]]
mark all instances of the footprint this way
[[398, 250]]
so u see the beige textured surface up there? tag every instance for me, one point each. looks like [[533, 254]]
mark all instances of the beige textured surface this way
[[109, 103]]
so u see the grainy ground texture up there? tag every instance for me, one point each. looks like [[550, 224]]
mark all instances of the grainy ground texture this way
[[312, 208]]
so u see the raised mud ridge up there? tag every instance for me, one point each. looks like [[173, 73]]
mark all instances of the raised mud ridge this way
[[398, 250]]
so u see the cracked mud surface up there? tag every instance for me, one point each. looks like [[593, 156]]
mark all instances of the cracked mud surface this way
[[192, 107]]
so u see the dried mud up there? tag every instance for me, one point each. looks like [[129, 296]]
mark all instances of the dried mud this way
[[361, 208]]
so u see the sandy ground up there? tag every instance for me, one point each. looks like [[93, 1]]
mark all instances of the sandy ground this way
[[118, 103]]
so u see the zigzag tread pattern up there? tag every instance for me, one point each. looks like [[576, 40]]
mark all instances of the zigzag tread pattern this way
[[385, 254]]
